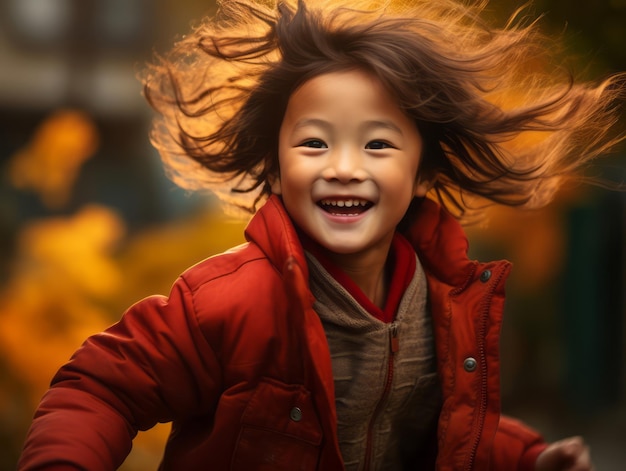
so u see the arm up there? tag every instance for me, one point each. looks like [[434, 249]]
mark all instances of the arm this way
[[515, 446], [147, 368], [516, 443]]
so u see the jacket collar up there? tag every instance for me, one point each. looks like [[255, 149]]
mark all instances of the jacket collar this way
[[441, 244], [436, 236], [272, 230]]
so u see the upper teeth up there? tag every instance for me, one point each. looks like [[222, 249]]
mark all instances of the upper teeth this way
[[347, 203]]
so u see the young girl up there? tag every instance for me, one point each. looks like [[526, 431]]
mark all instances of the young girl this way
[[351, 331]]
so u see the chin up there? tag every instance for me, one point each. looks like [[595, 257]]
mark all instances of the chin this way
[[342, 249]]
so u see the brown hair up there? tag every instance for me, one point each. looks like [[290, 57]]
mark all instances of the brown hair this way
[[499, 120]]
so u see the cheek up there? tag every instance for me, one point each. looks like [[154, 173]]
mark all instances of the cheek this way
[[292, 182], [398, 179]]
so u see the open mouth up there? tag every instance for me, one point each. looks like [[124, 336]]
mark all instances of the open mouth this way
[[345, 207]]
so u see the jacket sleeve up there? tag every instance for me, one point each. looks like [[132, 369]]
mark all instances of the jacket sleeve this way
[[515, 447], [147, 368]]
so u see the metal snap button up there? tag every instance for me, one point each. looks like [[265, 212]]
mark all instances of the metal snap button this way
[[484, 276], [296, 414], [470, 364]]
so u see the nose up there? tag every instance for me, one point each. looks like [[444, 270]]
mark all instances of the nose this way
[[345, 165]]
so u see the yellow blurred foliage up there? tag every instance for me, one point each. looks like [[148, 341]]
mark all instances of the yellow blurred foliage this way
[[152, 259], [73, 276], [50, 163], [62, 273]]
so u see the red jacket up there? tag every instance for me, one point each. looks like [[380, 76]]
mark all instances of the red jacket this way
[[237, 359]]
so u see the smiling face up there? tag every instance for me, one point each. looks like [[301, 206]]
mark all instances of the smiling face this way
[[348, 160]]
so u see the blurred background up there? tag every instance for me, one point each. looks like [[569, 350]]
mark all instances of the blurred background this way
[[89, 224]]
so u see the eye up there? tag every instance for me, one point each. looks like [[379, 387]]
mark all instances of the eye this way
[[379, 145], [314, 143]]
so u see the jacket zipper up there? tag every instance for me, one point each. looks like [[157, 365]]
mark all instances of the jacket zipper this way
[[393, 348], [482, 410]]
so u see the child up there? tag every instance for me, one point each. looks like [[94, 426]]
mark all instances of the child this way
[[351, 331]]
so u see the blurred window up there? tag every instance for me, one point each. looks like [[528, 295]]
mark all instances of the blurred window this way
[[40, 22]]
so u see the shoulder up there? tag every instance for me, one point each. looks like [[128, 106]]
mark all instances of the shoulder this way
[[234, 281], [237, 266], [220, 268], [233, 296]]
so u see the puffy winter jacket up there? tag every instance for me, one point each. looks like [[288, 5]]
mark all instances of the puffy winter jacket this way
[[237, 359]]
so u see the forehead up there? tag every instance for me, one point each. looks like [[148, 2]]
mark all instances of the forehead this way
[[349, 92], [354, 77]]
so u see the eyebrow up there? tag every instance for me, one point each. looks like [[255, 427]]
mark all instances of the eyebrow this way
[[383, 123], [312, 122], [371, 124]]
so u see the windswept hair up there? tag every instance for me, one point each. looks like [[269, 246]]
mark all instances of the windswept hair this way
[[499, 118]]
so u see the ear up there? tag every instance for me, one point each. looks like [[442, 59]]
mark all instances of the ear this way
[[274, 181], [422, 186]]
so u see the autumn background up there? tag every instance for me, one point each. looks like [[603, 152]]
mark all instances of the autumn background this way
[[89, 224]]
